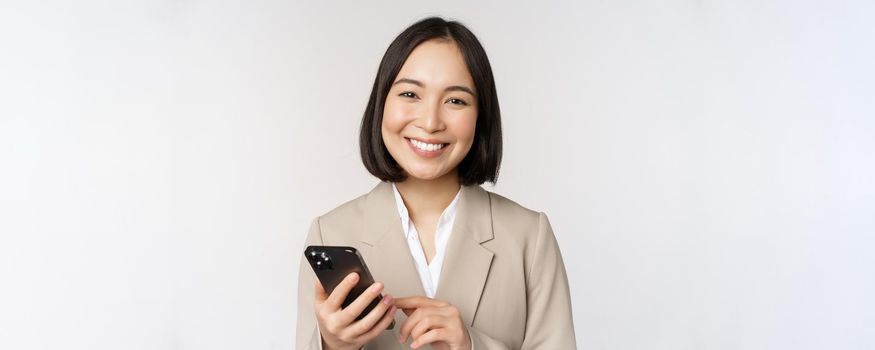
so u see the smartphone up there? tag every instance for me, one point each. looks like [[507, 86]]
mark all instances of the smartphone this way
[[332, 264]]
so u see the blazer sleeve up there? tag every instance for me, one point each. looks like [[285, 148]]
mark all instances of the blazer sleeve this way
[[549, 322], [307, 332]]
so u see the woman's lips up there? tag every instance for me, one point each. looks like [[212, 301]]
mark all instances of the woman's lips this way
[[427, 150]]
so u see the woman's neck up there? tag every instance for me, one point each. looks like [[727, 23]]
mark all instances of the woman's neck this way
[[428, 197]]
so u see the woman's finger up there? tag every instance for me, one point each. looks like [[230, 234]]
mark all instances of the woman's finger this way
[[354, 309], [425, 324], [375, 315], [384, 323], [335, 300], [415, 302], [434, 335], [410, 322]]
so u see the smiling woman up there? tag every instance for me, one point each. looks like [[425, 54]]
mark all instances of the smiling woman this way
[[470, 269], [429, 120], [437, 70]]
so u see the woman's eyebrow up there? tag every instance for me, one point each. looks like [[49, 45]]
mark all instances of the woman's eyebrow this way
[[409, 81], [449, 88], [460, 88]]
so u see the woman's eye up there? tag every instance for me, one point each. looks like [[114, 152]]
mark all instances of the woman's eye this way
[[407, 94], [457, 101]]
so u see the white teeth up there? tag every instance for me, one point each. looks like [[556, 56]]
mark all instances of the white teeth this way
[[428, 147]]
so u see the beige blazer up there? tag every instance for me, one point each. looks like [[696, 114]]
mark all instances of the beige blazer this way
[[502, 270]]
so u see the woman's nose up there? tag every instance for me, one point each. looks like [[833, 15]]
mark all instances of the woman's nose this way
[[431, 120]]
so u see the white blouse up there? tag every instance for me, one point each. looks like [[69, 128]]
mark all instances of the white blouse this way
[[429, 273]]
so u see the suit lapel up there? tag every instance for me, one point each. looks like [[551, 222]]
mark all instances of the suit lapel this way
[[385, 250], [466, 265], [467, 262]]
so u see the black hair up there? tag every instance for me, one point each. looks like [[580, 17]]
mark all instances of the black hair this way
[[483, 160]]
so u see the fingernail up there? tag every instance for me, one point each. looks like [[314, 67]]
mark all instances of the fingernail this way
[[387, 299]]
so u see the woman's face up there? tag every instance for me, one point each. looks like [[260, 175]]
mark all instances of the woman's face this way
[[431, 111]]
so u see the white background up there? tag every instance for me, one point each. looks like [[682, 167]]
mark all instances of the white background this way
[[707, 166]]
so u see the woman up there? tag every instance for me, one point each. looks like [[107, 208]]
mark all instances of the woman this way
[[469, 269]]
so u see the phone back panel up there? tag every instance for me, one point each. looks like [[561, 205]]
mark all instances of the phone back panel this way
[[341, 261]]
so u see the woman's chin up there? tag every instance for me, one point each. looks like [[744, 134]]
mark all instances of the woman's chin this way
[[426, 175], [421, 177]]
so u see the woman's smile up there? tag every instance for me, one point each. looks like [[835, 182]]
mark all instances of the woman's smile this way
[[426, 148]]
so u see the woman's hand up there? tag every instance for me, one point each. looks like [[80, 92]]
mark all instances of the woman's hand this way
[[433, 322], [339, 329]]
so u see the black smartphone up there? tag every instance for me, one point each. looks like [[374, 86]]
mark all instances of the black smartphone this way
[[332, 264]]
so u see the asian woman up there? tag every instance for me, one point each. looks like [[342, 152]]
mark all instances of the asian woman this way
[[467, 268]]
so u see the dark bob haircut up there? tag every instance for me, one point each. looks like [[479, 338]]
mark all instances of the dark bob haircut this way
[[484, 158]]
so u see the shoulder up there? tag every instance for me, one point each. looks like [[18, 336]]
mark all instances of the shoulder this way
[[512, 214], [371, 211], [505, 207], [344, 217], [521, 234]]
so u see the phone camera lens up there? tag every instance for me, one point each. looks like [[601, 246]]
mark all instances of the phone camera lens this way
[[321, 260]]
